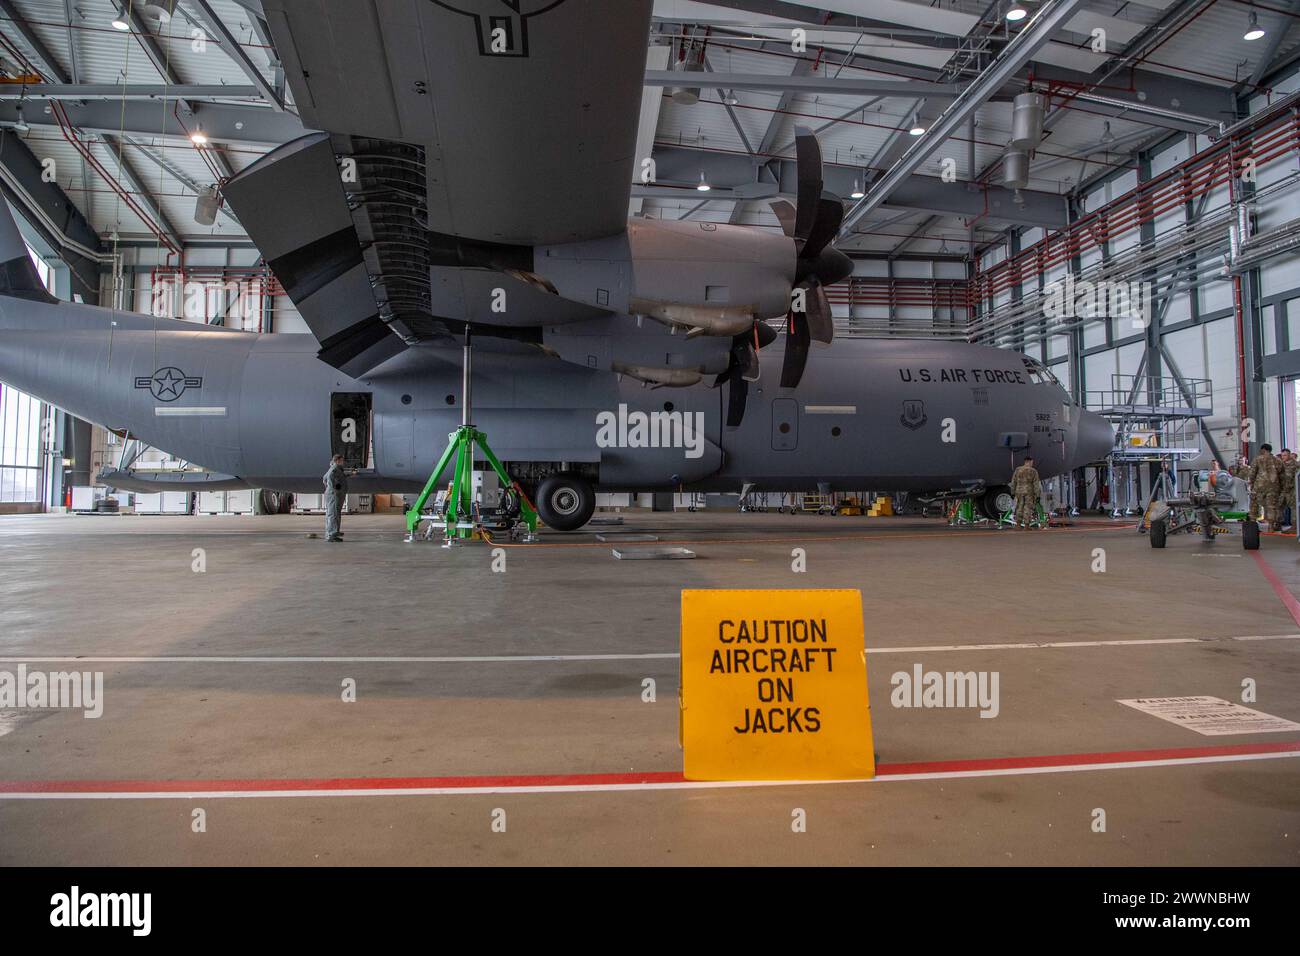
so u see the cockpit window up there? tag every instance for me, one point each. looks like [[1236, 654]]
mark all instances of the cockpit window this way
[[1040, 374]]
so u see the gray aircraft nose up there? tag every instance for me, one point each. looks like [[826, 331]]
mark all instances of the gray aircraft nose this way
[[1096, 439]]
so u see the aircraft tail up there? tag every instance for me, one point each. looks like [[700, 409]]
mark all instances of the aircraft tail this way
[[18, 277]]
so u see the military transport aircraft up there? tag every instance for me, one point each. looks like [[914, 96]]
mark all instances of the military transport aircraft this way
[[473, 171]]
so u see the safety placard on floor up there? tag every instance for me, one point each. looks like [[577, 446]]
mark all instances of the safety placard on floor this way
[[1211, 716], [774, 686]]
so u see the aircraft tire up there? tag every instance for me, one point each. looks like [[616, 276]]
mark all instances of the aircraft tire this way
[[1250, 535], [989, 504], [1158, 529], [565, 502]]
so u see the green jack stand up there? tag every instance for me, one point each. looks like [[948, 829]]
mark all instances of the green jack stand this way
[[965, 513], [1009, 518], [460, 518]]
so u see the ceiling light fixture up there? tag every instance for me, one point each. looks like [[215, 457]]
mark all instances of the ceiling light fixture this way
[[120, 21], [1107, 136], [21, 126], [1016, 12], [1254, 31], [857, 190], [704, 184], [198, 137], [918, 128]]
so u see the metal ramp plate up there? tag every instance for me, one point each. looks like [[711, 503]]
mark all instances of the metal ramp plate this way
[[653, 554]]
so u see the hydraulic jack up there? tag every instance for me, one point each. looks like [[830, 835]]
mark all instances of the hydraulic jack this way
[[462, 519]]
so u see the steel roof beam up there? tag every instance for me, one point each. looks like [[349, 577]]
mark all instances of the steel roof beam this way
[[233, 49], [176, 173], [851, 86], [731, 175], [223, 123], [134, 91], [127, 171], [45, 61], [1049, 18]]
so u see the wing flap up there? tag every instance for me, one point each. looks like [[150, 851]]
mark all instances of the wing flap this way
[[294, 207]]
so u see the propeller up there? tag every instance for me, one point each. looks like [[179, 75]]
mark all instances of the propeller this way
[[744, 368], [812, 224]]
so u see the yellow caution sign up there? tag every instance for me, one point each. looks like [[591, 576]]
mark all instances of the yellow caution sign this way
[[774, 686]]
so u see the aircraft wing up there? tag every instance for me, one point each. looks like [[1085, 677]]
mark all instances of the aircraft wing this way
[[525, 110]]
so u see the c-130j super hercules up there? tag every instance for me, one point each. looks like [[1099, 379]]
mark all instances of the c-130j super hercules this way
[[492, 146]]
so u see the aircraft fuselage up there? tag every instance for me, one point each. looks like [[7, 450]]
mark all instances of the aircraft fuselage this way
[[869, 415]]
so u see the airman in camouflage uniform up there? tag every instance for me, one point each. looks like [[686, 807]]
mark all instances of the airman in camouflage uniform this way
[[1288, 507], [1266, 485], [1027, 487]]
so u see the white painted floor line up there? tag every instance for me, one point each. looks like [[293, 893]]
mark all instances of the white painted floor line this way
[[622, 787], [1034, 645], [1076, 768], [564, 658]]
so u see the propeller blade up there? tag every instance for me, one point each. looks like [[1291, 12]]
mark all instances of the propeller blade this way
[[737, 398], [766, 334], [821, 324], [785, 212], [808, 153], [796, 351], [747, 361], [830, 213]]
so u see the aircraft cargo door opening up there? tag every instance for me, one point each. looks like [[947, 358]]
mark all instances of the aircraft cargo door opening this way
[[350, 431]]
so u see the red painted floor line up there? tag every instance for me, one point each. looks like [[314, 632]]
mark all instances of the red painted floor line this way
[[607, 779], [1279, 588]]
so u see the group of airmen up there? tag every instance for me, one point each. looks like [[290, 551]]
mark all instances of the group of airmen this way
[[1271, 478], [1272, 485]]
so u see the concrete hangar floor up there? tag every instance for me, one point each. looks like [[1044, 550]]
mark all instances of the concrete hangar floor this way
[[479, 693]]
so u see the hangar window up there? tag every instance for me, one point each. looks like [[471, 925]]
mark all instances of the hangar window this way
[[20, 448], [24, 471]]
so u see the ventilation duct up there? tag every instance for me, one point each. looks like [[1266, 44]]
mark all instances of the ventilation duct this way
[[690, 59], [205, 210], [1015, 169], [1027, 120]]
